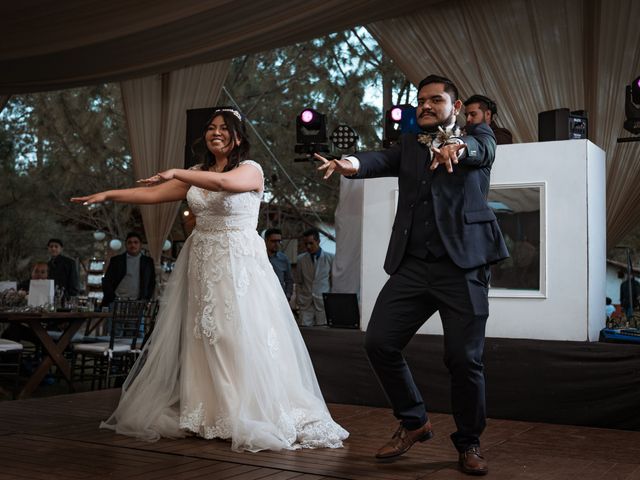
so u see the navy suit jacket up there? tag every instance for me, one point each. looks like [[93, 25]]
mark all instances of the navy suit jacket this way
[[466, 224], [116, 271]]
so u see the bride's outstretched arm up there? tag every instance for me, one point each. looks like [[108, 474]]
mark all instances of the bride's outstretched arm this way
[[165, 192], [245, 178]]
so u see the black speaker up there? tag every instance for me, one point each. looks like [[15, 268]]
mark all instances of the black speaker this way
[[194, 149], [341, 310], [562, 124]]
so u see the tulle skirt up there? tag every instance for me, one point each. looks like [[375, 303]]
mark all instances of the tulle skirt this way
[[226, 359]]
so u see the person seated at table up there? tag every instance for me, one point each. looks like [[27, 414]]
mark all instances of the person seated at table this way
[[22, 333], [40, 271], [16, 331]]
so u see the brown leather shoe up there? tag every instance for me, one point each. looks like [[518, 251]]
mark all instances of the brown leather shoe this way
[[472, 462], [403, 439]]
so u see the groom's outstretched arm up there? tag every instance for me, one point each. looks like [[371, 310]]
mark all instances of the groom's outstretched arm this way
[[384, 163], [341, 166]]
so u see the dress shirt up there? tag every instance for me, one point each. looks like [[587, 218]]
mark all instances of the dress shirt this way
[[129, 286]]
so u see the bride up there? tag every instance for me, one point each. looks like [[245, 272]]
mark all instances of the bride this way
[[226, 359]]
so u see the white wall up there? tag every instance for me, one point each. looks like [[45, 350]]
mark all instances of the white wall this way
[[570, 302]]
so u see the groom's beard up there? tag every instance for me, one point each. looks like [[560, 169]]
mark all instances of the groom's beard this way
[[451, 121]]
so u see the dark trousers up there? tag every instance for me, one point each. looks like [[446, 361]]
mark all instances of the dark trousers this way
[[408, 299]]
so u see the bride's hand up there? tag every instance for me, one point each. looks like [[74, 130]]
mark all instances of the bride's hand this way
[[91, 199], [159, 177]]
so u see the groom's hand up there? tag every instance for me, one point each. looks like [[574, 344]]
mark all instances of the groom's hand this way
[[447, 155], [338, 165]]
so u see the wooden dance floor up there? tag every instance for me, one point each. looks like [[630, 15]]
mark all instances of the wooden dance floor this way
[[57, 438]]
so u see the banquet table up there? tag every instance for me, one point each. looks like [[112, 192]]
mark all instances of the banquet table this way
[[68, 322]]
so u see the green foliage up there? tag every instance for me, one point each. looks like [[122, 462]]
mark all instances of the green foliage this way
[[331, 74], [53, 146], [56, 145]]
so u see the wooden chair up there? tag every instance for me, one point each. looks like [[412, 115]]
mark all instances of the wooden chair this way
[[112, 360], [10, 361], [149, 321]]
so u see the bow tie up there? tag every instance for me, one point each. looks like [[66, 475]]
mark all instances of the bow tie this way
[[440, 136], [426, 139]]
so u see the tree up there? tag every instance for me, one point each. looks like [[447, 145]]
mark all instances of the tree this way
[[56, 145], [332, 74], [65, 143]]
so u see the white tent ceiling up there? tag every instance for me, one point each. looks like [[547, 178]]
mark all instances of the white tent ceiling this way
[[53, 44], [530, 56]]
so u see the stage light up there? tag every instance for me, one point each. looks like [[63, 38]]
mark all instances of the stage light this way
[[632, 107], [306, 116], [344, 137], [311, 127], [311, 132], [396, 114], [399, 119]]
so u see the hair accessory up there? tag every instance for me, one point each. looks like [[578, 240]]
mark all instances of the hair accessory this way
[[235, 112]]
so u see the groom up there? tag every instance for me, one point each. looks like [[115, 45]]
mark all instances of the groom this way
[[443, 240]]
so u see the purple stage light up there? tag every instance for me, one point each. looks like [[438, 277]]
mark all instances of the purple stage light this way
[[396, 114], [306, 116]]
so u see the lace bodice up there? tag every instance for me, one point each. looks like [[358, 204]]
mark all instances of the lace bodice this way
[[222, 211]]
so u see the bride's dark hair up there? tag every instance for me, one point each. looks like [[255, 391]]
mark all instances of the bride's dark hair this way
[[237, 130]]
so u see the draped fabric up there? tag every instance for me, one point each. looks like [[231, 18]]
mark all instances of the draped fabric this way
[[617, 26], [156, 111], [49, 45], [528, 56], [531, 57]]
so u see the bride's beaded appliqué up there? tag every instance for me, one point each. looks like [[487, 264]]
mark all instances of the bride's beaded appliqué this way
[[226, 227]]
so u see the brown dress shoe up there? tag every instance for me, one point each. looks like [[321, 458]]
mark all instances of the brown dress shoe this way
[[403, 439], [472, 462]]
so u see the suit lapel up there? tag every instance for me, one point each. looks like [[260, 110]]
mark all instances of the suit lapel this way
[[422, 159]]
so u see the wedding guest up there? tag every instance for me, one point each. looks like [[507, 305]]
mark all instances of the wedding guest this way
[[481, 109], [62, 269], [279, 261], [40, 271], [130, 275], [312, 278], [16, 331], [630, 296]]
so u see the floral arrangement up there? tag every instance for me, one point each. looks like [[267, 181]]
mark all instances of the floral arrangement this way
[[441, 137], [13, 298]]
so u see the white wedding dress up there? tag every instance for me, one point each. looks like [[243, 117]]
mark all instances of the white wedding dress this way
[[226, 359]]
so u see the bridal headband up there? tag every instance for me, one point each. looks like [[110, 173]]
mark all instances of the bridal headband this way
[[235, 112]]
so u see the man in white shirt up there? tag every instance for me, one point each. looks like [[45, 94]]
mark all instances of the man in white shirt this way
[[130, 275]]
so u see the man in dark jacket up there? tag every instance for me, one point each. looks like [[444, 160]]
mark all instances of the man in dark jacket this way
[[62, 270], [129, 275], [443, 240]]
